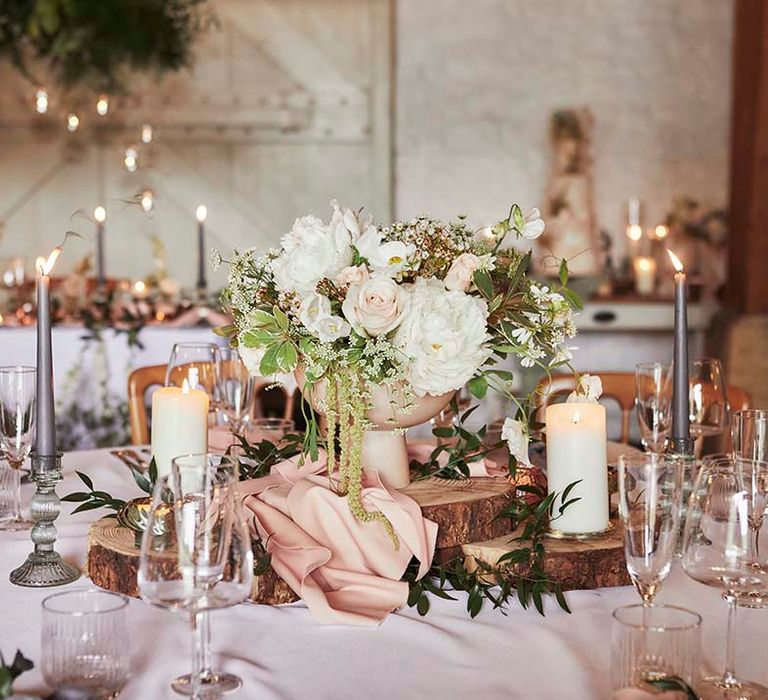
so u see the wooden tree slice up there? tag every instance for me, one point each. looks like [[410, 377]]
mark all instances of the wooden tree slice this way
[[575, 564], [464, 511]]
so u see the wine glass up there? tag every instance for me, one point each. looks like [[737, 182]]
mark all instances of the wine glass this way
[[17, 422], [202, 357], [85, 643], [650, 495], [653, 402], [235, 389], [708, 402], [717, 552], [749, 434], [196, 556]]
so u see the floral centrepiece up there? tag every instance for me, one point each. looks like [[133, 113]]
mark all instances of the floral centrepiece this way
[[420, 308]]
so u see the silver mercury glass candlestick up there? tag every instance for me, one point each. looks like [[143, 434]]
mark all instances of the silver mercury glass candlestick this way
[[44, 566]]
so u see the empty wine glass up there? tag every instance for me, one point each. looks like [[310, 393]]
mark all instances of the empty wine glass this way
[[17, 421], [708, 401], [717, 552], [236, 390], [196, 556], [749, 434], [650, 494], [85, 643], [653, 401], [202, 357]]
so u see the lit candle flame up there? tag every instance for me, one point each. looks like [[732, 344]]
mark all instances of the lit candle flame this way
[[675, 261], [661, 232], [202, 213], [644, 264], [139, 287], [100, 214], [185, 387], [46, 265], [634, 232], [576, 417]]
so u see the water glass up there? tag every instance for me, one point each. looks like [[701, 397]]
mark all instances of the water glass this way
[[653, 402], [85, 642], [17, 433], [654, 643], [236, 390], [202, 357], [650, 495]]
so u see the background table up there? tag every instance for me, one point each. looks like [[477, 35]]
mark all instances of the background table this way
[[283, 654]]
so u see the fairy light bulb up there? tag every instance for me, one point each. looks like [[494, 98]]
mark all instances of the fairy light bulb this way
[[41, 101], [147, 201], [73, 121], [146, 133], [102, 106], [131, 159]]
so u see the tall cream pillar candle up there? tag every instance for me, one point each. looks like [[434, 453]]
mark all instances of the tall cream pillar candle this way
[[179, 424], [576, 450]]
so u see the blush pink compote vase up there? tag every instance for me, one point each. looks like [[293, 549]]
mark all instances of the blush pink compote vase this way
[[384, 449]]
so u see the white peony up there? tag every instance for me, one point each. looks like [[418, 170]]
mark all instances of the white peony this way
[[376, 306], [442, 335], [589, 389], [311, 251], [515, 433], [533, 225], [462, 271], [251, 358], [389, 258]]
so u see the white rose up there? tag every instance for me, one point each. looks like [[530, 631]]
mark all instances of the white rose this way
[[515, 433], [330, 328], [389, 258], [459, 277], [443, 335], [533, 225], [356, 274], [251, 357], [311, 251], [376, 306], [589, 389]]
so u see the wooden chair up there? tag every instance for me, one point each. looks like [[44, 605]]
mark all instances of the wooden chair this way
[[617, 386], [143, 379]]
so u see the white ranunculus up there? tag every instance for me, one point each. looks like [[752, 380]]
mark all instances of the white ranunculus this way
[[443, 336], [389, 258], [462, 271], [251, 358], [356, 274], [515, 433], [311, 251], [376, 306], [331, 328], [533, 225], [589, 389]]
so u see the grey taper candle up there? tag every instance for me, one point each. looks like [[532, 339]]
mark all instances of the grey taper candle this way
[[201, 214], [680, 407], [100, 214], [45, 419]]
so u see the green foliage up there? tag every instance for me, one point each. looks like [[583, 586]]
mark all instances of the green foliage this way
[[8, 674], [96, 44], [673, 683], [260, 457]]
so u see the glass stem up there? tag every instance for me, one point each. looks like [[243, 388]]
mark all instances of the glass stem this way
[[729, 675], [197, 656], [204, 622], [16, 477]]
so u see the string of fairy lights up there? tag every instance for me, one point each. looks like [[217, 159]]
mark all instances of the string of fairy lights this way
[[131, 155]]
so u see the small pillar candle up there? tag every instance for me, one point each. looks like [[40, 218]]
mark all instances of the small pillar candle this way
[[645, 276], [576, 451], [179, 424]]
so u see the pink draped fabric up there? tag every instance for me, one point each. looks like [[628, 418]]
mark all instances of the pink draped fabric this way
[[346, 571]]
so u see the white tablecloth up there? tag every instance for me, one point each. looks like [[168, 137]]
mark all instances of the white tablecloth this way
[[282, 653]]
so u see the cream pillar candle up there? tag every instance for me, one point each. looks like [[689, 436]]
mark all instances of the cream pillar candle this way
[[179, 424], [576, 450], [645, 275]]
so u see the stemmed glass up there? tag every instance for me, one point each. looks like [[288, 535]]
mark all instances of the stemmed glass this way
[[653, 401], [196, 556], [203, 357], [17, 422], [709, 410], [650, 494], [749, 434], [717, 552], [236, 389]]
